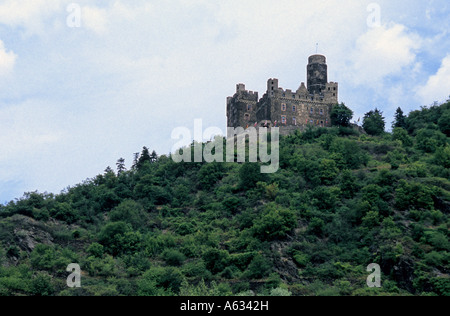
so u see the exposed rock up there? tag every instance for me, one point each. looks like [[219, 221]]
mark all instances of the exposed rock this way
[[29, 233]]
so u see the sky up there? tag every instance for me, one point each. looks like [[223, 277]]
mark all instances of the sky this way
[[85, 83]]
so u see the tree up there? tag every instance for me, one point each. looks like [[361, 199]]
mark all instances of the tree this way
[[348, 184], [275, 223], [374, 123], [129, 212], [402, 135], [41, 285], [442, 157], [120, 166], [143, 158], [400, 119], [249, 175], [428, 140], [444, 123], [153, 157], [341, 115]]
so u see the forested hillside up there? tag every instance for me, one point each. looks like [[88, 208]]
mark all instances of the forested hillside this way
[[341, 200]]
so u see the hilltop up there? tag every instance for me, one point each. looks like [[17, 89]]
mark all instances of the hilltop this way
[[341, 200]]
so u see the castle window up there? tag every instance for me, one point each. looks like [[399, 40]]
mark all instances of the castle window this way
[[293, 96], [312, 111], [249, 107], [321, 111], [334, 88], [294, 108], [283, 107], [334, 94], [294, 121], [283, 119]]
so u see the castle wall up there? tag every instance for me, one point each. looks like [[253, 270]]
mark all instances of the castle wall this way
[[287, 109]]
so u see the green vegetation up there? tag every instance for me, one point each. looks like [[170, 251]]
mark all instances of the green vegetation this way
[[341, 200]]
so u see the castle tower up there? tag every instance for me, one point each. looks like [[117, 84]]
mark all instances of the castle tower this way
[[317, 72], [291, 110]]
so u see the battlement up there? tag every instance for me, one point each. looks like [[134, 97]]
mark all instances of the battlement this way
[[310, 104], [242, 93]]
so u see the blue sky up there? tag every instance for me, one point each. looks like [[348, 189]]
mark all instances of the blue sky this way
[[75, 99]]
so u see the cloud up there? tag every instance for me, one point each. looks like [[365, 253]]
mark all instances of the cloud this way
[[7, 60], [437, 87], [381, 52], [25, 128], [28, 14], [95, 19]]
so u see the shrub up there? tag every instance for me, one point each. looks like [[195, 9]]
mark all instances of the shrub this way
[[429, 140], [41, 285], [64, 212], [173, 257], [275, 223]]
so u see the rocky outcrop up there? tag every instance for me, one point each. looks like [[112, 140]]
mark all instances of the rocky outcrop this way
[[28, 233]]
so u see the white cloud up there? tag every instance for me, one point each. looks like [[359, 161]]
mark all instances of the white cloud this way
[[7, 60], [438, 86], [28, 14], [383, 51], [94, 19], [25, 128]]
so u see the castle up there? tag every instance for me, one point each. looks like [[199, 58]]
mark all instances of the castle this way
[[287, 109]]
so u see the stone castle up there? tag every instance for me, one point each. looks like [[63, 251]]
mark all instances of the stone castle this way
[[287, 109]]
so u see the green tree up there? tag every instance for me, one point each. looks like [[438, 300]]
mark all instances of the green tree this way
[[402, 135], [143, 158], [275, 223], [428, 140], [341, 115], [412, 195], [400, 119], [444, 122], [120, 166], [41, 285], [153, 157], [118, 238], [129, 212], [374, 123], [442, 157], [259, 268], [328, 171], [160, 281], [64, 212], [209, 174], [173, 257], [348, 184], [249, 175], [96, 250]]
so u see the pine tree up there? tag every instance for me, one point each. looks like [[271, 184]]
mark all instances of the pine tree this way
[[400, 119], [121, 166], [153, 157], [143, 158]]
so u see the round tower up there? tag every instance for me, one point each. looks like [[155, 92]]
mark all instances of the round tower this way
[[317, 71]]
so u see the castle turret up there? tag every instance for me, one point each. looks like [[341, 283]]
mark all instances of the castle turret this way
[[317, 71]]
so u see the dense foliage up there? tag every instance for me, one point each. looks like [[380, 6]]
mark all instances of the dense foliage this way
[[341, 200]]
